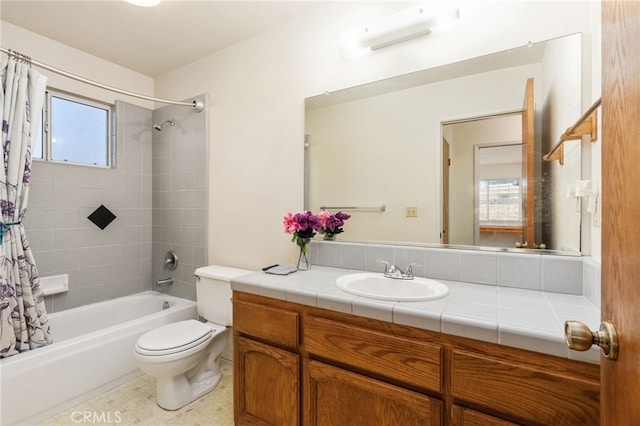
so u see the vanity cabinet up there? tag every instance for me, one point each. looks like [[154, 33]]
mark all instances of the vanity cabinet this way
[[266, 366], [296, 364]]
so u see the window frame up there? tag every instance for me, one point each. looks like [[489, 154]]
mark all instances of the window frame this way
[[499, 222], [46, 127]]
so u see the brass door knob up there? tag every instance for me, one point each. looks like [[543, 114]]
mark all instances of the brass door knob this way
[[579, 337]]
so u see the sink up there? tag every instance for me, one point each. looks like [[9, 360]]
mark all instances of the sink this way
[[377, 286]]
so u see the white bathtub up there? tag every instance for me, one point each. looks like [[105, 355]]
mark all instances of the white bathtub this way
[[92, 352]]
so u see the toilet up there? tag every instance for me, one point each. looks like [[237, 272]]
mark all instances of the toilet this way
[[184, 356]]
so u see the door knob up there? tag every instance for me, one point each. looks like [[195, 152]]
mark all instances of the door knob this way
[[580, 338]]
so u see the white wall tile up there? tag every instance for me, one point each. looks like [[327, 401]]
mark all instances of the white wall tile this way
[[562, 274], [442, 264], [520, 270], [478, 267]]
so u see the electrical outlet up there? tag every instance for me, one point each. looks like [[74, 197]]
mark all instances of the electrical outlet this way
[[412, 211]]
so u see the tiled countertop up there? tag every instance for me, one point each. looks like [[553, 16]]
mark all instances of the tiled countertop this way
[[526, 319]]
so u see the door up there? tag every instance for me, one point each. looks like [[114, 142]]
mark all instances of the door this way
[[446, 163], [266, 383], [528, 165], [620, 379], [333, 396]]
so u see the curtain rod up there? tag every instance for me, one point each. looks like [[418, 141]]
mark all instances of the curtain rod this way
[[196, 104]]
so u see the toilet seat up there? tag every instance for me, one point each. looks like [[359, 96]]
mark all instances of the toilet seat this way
[[174, 338]]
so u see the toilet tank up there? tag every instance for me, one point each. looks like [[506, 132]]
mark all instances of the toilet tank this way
[[213, 292]]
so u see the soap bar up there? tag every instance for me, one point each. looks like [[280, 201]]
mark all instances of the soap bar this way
[[281, 270]]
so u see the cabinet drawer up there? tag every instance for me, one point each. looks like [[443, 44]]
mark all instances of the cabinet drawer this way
[[528, 394], [393, 357], [273, 325]]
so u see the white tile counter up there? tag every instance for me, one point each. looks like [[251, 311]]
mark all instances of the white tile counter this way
[[526, 319]]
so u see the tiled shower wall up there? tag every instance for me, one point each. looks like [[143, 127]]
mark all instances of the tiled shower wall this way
[[101, 264], [180, 177], [158, 186]]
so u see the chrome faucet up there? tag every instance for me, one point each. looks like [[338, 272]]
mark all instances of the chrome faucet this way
[[392, 271]]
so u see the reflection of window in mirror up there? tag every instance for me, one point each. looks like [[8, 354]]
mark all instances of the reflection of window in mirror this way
[[500, 202], [499, 194]]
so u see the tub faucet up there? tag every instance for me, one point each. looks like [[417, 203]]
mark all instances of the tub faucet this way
[[392, 271], [164, 282]]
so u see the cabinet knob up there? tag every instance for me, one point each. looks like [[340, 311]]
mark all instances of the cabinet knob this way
[[579, 337]]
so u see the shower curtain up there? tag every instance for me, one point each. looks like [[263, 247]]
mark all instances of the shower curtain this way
[[23, 317]]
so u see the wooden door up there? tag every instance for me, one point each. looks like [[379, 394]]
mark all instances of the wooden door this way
[[265, 384], [462, 416], [446, 163], [528, 165], [620, 391], [333, 396]]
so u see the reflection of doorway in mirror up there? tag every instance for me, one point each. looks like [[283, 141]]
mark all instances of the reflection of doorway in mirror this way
[[499, 195], [446, 163], [464, 138]]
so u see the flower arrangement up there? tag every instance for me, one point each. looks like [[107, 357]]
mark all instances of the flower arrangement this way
[[304, 226], [331, 224]]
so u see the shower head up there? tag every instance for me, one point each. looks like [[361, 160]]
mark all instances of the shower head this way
[[158, 126]]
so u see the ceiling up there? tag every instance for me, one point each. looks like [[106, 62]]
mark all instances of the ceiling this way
[[153, 40]]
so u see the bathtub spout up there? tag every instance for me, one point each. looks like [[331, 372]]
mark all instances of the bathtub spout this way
[[164, 282]]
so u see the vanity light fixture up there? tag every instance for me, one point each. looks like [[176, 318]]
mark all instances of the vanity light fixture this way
[[401, 26], [144, 3]]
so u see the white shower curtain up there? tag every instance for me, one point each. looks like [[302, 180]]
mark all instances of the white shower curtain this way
[[23, 317]]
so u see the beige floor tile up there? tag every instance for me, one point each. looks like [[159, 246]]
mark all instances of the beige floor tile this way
[[133, 404]]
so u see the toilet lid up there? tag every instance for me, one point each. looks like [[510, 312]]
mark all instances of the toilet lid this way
[[174, 337]]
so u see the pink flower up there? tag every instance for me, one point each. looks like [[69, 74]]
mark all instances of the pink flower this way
[[324, 216], [290, 224]]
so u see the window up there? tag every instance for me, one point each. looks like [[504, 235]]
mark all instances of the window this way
[[500, 202], [76, 131]]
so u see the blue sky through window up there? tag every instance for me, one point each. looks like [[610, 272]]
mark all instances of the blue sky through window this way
[[79, 132]]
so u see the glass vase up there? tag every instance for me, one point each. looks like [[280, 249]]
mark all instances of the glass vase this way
[[303, 258]]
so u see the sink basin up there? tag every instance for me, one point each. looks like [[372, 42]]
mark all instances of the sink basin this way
[[377, 286]]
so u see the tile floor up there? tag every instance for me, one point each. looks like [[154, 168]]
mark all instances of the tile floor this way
[[134, 404]]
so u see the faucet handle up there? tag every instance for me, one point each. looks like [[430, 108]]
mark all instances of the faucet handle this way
[[386, 265], [409, 272]]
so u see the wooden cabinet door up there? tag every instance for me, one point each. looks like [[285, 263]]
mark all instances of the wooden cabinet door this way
[[333, 396], [462, 416], [266, 384]]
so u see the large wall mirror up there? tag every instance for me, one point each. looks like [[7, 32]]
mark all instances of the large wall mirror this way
[[453, 154]]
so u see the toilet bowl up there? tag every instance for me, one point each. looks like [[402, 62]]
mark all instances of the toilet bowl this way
[[183, 356]]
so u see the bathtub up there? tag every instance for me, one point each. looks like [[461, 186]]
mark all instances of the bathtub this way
[[92, 353]]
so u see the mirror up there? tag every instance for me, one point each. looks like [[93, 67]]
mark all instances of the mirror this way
[[379, 151]]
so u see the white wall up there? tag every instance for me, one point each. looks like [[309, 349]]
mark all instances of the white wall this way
[[257, 90], [76, 62], [560, 91], [593, 161]]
